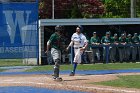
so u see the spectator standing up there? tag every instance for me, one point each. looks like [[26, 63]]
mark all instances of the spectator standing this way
[[95, 41]]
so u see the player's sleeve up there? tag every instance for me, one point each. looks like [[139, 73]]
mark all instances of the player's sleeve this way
[[72, 37], [51, 38]]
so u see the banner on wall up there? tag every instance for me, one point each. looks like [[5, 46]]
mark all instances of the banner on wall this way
[[18, 29]]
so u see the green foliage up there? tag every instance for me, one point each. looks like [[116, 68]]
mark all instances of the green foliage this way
[[1, 70], [117, 8], [75, 13], [130, 81], [87, 8]]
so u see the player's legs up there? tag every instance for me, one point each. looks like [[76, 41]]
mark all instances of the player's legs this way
[[56, 57], [77, 59], [56, 68]]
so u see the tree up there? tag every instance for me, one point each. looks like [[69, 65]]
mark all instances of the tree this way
[[91, 8], [45, 8], [71, 8], [75, 12], [117, 8]]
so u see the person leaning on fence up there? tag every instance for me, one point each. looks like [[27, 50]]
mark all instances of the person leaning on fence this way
[[113, 51], [136, 41], [55, 43], [106, 40], [129, 47], [122, 43], [95, 41], [79, 42]]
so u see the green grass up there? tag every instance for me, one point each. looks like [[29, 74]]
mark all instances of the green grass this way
[[11, 62], [90, 67], [1, 70], [130, 81]]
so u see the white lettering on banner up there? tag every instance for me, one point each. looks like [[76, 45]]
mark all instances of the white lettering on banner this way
[[1, 49], [19, 49], [21, 19]]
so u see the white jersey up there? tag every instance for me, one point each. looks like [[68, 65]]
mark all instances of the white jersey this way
[[79, 40]]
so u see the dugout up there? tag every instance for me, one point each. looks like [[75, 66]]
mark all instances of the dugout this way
[[114, 25]]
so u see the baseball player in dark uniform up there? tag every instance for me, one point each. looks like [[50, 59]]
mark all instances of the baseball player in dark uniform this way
[[122, 52], [129, 48], [113, 51], [106, 40], [136, 41], [55, 43], [95, 41]]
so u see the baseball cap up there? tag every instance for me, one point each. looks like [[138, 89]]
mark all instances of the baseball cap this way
[[122, 34], [115, 34], [94, 32], [107, 33], [129, 35], [135, 34]]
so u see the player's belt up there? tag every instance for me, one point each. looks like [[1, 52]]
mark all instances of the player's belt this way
[[77, 47]]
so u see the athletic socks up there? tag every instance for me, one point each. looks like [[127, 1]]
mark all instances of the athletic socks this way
[[74, 67]]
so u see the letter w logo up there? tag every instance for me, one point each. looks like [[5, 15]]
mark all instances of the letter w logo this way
[[21, 19]]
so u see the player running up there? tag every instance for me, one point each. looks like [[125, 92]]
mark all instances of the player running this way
[[79, 42]]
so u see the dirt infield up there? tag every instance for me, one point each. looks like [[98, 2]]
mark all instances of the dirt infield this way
[[78, 82]]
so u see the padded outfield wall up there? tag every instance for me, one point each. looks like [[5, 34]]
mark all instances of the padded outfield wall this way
[[19, 29]]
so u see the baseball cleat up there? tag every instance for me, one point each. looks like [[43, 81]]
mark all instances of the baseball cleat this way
[[72, 74], [57, 79]]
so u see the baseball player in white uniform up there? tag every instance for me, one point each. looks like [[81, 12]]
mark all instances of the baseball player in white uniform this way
[[79, 42]]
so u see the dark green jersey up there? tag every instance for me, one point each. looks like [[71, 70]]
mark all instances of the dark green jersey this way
[[129, 40], [135, 40], [94, 40], [55, 41], [114, 40], [122, 40], [106, 39]]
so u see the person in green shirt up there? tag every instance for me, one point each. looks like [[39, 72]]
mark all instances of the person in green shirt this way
[[56, 44], [95, 41], [136, 41], [106, 40], [122, 52], [113, 51], [129, 48]]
